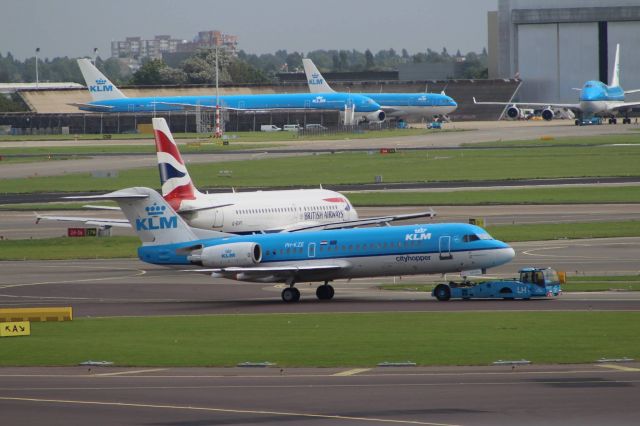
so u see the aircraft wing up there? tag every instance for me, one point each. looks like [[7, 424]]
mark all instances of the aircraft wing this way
[[91, 221], [632, 91], [103, 108], [532, 104], [360, 222], [280, 272], [627, 105]]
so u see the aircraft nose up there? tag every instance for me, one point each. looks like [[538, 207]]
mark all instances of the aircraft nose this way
[[505, 255]]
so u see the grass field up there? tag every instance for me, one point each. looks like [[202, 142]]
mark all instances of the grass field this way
[[331, 340], [69, 248], [114, 247], [345, 168], [566, 141], [556, 231], [579, 195], [239, 136]]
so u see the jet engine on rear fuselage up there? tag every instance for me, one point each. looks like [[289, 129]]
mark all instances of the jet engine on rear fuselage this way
[[225, 255]]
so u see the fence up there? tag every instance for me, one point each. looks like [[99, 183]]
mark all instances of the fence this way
[[180, 121]]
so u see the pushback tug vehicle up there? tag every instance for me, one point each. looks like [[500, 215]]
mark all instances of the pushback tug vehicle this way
[[533, 282]]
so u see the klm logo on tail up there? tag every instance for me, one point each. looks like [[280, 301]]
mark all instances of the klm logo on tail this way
[[316, 80], [101, 86], [156, 220]]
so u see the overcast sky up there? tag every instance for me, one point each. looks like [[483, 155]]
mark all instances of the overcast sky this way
[[74, 27]]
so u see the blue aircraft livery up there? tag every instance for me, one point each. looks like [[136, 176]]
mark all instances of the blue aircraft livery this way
[[395, 105], [596, 100], [316, 256], [108, 98]]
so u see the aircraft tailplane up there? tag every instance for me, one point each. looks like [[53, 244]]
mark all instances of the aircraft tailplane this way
[[315, 80], [100, 88], [177, 185], [615, 78]]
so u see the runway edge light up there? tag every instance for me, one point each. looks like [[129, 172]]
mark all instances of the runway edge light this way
[[15, 328]]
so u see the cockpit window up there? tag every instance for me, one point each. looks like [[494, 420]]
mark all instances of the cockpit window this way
[[476, 237], [588, 85]]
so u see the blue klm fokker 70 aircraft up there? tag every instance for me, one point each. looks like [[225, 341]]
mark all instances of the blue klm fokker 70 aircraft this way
[[318, 256], [108, 98]]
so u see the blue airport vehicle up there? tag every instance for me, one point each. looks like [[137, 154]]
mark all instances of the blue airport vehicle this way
[[533, 282], [589, 121], [434, 125]]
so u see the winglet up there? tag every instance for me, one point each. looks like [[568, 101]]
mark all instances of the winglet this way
[[474, 100], [615, 78]]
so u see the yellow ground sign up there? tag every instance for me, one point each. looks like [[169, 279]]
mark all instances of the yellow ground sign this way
[[16, 328]]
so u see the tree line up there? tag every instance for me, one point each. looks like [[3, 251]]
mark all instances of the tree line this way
[[243, 68]]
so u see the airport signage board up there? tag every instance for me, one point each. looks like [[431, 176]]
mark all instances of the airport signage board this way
[[15, 328]]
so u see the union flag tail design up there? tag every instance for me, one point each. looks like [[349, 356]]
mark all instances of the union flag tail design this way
[[174, 177]]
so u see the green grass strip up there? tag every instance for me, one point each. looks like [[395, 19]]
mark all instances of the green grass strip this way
[[565, 141], [556, 231], [580, 195], [335, 340], [349, 168], [63, 248]]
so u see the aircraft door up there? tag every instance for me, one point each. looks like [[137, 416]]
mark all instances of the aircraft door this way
[[241, 105], [218, 218], [445, 247], [312, 250], [307, 104]]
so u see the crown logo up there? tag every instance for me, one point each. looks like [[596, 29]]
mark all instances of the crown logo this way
[[101, 81], [420, 230], [155, 210], [315, 75]]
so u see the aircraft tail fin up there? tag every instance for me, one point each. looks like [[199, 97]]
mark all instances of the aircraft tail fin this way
[[317, 83], [153, 219], [615, 78], [177, 185], [100, 88]]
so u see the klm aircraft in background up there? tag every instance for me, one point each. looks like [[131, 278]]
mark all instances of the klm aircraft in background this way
[[401, 106], [108, 98], [315, 256], [596, 100]]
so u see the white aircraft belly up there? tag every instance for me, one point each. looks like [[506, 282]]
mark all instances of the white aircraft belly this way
[[420, 111]]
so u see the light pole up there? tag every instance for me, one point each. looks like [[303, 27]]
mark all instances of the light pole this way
[[37, 79], [95, 56], [218, 131]]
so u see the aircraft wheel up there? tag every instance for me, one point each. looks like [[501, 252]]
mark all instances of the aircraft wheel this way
[[325, 292], [290, 295], [442, 292], [577, 122]]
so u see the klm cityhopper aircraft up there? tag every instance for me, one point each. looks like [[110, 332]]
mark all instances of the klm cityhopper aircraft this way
[[320, 256], [596, 100], [401, 106], [108, 98]]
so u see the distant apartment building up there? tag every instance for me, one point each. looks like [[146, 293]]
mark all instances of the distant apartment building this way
[[134, 49]]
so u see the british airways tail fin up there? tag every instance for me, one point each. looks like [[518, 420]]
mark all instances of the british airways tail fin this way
[[177, 185], [100, 88], [615, 78], [315, 81]]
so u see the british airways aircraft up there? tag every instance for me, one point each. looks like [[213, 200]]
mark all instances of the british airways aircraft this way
[[401, 106], [596, 99], [243, 212], [321, 256], [108, 98]]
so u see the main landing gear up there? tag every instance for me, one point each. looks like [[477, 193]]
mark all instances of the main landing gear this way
[[325, 291], [291, 294]]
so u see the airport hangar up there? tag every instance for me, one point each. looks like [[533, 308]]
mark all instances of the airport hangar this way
[[554, 46]]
